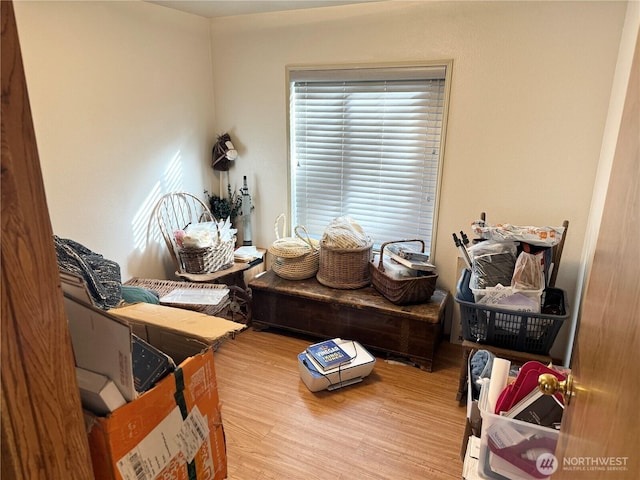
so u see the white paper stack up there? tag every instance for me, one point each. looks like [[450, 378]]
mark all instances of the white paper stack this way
[[195, 296]]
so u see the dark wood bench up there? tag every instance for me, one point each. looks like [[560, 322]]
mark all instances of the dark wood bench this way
[[306, 306]]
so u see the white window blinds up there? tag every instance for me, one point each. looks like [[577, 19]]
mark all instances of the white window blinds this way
[[366, 143]]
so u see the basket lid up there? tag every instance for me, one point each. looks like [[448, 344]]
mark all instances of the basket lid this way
[[289, 247]]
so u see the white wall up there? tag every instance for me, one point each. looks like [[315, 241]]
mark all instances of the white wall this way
[[121, 94], [122, 101], [531, 85], [628, 45]]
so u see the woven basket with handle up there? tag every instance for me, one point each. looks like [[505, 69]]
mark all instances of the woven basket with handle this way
[[296, 258], [208, 259], [402, 291]]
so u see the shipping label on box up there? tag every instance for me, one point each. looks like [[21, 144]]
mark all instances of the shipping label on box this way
[[172, 432]]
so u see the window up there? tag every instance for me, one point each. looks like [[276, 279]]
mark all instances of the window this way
[[368, 143]]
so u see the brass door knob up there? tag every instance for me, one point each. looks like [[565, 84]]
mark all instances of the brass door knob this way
[[549, 385]]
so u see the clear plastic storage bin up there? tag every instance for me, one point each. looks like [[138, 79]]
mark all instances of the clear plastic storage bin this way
[[514, 450]]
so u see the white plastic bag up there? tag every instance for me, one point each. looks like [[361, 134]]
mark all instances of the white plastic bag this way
[[344, 232], [541, 236], [527, 274], [207, 234]]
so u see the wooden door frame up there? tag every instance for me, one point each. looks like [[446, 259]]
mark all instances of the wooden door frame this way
[[600, 433], [43, 434]]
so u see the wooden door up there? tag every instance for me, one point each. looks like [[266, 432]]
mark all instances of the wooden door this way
[[600, 436], [43, 433]]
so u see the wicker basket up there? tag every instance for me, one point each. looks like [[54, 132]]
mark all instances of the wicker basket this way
[[297, 268], [296, 258], [208, 259], [346, 268], [164, 287], [401, 291]]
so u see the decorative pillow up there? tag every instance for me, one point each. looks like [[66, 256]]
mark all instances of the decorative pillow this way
[[138, 294]]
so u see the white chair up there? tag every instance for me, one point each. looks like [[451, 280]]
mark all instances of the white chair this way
[[175, 211]]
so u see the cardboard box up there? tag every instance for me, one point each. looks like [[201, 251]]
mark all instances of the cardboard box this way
[[178, 332], [173, 431], [101, 344]]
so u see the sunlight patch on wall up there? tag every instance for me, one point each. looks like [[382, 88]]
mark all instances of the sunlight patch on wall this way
[[145, 228], [172, 180], [144, 224]]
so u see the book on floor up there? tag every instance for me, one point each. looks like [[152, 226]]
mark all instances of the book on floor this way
[[328, 354]]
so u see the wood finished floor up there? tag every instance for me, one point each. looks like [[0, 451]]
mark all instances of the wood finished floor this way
[[401, 423]]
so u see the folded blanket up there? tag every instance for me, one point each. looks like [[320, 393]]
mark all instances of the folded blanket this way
[[101, 275]]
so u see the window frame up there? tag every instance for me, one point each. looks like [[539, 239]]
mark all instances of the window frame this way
[[356, 70]]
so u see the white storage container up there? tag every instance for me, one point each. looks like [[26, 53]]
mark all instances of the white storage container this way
[[512, 449], [510, 298]]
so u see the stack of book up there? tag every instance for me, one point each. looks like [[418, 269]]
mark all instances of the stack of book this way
[[410, 257]]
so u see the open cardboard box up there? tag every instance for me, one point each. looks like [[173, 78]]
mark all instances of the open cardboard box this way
[[102, 344], [180, 333], [174, 430]]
